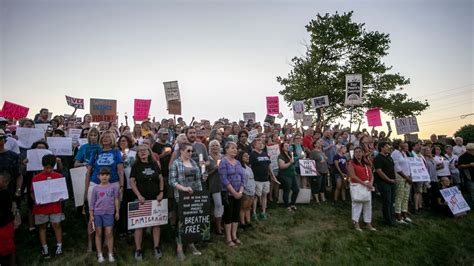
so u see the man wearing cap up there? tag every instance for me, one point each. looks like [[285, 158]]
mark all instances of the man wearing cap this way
[[10, 163], [466, 167], [11, 144]]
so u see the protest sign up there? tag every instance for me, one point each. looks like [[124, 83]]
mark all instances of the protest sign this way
[[308, 168], [43, 127], [307, 120], [13, 110], [34, 157], [298, 109], [74, 133], [273, 152], [194, 216], [418, 170], [321, 101], [373, 117], [249, 116], [51, 190], [78, 179], [273, 105], [456, 202], [27, 136], [353, 89], [406, 125], [75, 102], [172, 91], [103, 110], [304, 196], [82, 141], [60, 146], [252, 135], [151, 213], [174, 107], [141, 109]]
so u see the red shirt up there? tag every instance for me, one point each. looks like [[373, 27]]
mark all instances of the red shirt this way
[[54, 207], [364, 173], [308, 142]]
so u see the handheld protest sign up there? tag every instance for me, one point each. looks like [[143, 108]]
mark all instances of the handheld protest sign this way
[[194, 216]]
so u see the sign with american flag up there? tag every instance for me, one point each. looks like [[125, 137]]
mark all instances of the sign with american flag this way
[[150, 213]]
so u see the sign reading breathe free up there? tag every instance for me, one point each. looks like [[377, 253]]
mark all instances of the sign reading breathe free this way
[[103, 110], [194, 216]]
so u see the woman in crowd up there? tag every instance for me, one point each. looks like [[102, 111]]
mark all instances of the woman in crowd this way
[[214, 182], [442, 164], [86, 121], [318, 182], [127, 150], [298, 153], [453, 165], [249, 190], [232, 180], [87, 150], [185, 176], [147, 184], [340, 176], [137, 134], [361, 173], [431, 167], [243, 144], [440, 205], [287, 176], [403, 181]]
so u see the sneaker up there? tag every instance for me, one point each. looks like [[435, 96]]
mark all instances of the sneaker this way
[[111, 258], [408, 220], [254, 217], [59, 250], [263, 216], [45, 253], [100, 258], [158, 253], [401, 222], [194, 250], [138, 255]]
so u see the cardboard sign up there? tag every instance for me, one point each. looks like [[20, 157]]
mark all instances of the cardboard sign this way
[[248, 116], [60, 146], [103, 110], [151, 213], [28, 136], [75, 102], [13, 110], [141, 109], [353, 89], [406, 125], [35, 157], [273, 152], [321, 101], [78, 179], [373, 117], [172, 91], [298, 109], [174, 107], [52, 190], [307, 120], [304, 196], [308, 168], [456, 202], [273, 105], [194, 216], [411, 137], [418, 170]]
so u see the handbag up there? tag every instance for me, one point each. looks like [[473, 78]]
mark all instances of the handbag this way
[[359, 193]]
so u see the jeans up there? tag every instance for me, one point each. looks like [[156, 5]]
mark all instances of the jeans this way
[[289, 183], [387, 192]]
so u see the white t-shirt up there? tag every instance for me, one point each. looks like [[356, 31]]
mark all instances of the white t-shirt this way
[[401, 162], [12, 145], [458, 150], [445, 170]]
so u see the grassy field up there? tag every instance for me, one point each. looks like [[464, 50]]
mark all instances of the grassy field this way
[[315, 234]]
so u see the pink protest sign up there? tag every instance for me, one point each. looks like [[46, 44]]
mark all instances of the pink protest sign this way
[[272, 105], [141, 109], [373, 117], [13, 110]]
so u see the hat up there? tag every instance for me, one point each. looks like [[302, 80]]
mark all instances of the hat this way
[[3, 120], [470, 146], [163, 131]]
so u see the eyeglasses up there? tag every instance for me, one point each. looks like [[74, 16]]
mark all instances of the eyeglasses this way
[[189, 151]]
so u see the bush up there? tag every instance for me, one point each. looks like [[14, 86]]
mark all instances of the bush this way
[[467, 133]]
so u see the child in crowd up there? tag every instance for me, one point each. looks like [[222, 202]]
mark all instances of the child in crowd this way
[[49, 212], [103, 205], [7, 227]]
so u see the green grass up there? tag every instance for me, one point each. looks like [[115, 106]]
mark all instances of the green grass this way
[[315, 234]]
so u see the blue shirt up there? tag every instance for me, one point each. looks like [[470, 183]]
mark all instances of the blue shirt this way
[[86, 151], [231, 174], [109, 159]]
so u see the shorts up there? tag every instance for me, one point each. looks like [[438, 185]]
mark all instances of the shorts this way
[[103, 220], [262, 187], [7, 239], [249, 188], [52, 217]]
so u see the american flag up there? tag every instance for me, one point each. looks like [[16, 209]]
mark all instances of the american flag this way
[[135, 209]]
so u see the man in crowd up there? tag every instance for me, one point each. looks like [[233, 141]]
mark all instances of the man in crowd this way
[[385, 180]]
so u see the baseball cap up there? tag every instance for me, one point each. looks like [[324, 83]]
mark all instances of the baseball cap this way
[[163, 131]]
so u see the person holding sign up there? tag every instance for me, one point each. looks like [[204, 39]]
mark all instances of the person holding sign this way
[[287, 176], [361, 173], [87, 150], [49, 212], [440, 205], [104, 207], [147, 184], [185, 176], [442, 164]]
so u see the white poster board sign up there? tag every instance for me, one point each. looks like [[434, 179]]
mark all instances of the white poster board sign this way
[[151, 213], [273, 152], [248, 116], [75, 134], [406, 125], [307, 120], [418, 170], [60, 146], [172, 91], [78, 179], [252, 135], [43, 127], [298, 109], [321, 101], [28, 136], [455, 200], [308, 168], [353, 89], [34, 157], [52, 190]]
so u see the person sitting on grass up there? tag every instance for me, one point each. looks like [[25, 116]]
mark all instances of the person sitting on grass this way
[[104, 204], [7, 225], [49, 212]]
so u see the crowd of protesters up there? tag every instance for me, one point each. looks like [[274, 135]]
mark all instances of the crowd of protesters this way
[[171, 156]]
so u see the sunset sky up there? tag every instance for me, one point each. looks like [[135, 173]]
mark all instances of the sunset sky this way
[[226, 55]]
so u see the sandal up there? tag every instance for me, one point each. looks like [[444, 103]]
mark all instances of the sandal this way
[[230, 243], [237, 242]]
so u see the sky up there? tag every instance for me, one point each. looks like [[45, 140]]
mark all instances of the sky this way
[[226, 55]]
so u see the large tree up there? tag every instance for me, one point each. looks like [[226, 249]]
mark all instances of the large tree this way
[[338, 47]]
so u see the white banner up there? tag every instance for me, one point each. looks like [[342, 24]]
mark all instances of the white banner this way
[[28, 136], [75, 134], [172, 91], [406, 125], [248, 116], [455, 200], [298, 109], [418, 170], [52, 190], [34, 157], [273, 152], [353, 89], [60, 146], [151, 213], [78, 179], [308, 168], [307, 120], [321, 101]]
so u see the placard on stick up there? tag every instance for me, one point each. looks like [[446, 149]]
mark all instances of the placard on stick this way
[[172, 91], [141, 109], [75, 102], [406, 125], [174, 107], [13, 110], [353, 89], [273, 105], [248, 116], [321, 101], [103, 110], [373, 117]]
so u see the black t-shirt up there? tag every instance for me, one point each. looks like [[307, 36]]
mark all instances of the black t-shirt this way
[[386, 164], [466, 158], [244, 147], [10, 163], [158, 148], [260, 163], [147, 177], [6, 215]]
